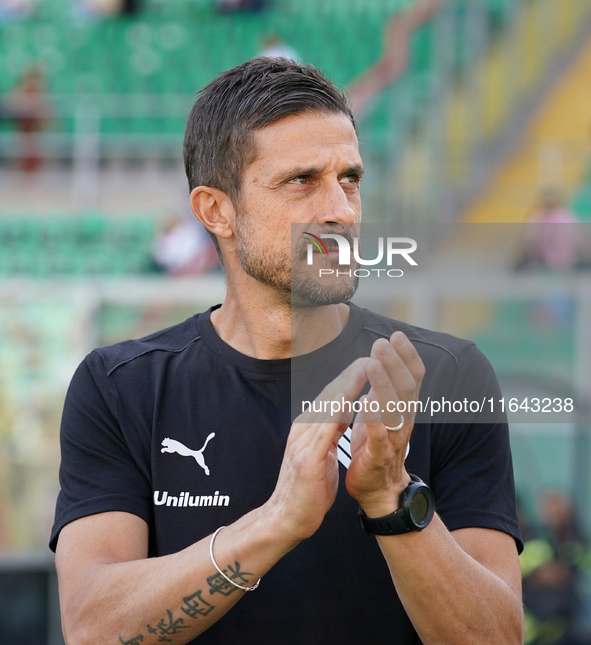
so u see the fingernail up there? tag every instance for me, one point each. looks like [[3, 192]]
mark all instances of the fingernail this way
[[399, 338]]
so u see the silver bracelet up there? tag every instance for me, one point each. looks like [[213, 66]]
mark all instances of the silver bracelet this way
[[254, 586]]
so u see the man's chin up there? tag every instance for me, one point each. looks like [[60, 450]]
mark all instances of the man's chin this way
[[311, 294]]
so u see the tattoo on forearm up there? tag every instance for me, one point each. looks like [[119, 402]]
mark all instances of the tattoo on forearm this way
[[164, 629], [194, 605], [132, 641], [218, 584]]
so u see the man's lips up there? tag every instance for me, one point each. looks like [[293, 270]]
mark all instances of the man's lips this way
[[331, 246], [322, 254]]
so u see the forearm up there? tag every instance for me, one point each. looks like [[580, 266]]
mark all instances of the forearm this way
[[176, 596], [394, 58], [420, 12], [449, 596]]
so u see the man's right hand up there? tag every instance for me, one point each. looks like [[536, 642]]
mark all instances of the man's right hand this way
[[308, 480]]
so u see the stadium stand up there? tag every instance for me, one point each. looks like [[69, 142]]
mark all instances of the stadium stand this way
[[87, 245], [177, 47]]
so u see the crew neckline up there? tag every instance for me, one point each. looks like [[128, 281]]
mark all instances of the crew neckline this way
[[280, 366]]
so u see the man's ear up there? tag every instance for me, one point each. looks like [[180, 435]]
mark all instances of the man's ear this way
[[214, 209]]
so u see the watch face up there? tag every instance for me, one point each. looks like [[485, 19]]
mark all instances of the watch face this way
[[419, 507]]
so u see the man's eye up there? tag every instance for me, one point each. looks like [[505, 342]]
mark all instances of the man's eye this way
[[302, 179], [351, 179]]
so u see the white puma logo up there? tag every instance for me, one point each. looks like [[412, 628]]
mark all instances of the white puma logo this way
[[171, 445]]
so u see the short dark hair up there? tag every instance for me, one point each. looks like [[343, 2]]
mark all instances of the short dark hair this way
[[219, 141]]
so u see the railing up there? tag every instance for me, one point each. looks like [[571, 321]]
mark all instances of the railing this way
[[91, 127]]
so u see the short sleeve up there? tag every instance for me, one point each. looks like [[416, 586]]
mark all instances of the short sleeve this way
[[99, 471], [471, 468]]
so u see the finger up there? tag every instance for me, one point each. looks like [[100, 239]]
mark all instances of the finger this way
[[328, 405], [381, 446], [409, 355], [330, 414], [358, 437], [385, 393], [368, 421], [399, 374], [319, 438], [350, 380], [369, 407], [380, 438]]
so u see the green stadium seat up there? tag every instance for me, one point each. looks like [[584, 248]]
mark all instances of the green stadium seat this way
[[581, 203], [88, 245], [500, 11]]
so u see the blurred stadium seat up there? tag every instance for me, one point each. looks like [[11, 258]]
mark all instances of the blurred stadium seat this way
[[89, 245], [176, 47]]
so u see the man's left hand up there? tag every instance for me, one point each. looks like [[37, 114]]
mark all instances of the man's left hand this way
[[377, 475]]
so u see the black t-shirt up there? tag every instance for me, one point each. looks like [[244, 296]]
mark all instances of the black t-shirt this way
[[188, 433]]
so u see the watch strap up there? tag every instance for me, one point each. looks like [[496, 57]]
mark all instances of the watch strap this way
[[392, 524]]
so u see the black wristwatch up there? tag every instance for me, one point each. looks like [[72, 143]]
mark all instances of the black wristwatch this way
[[417, 507]]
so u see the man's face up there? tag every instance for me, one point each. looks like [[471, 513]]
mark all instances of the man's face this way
[[307, 173]]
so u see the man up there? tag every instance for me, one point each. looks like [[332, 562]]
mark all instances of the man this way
[[182, 482]]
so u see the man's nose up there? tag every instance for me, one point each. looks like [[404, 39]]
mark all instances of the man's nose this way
[[337, 207]]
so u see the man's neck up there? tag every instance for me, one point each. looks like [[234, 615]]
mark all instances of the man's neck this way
[[261, 326]]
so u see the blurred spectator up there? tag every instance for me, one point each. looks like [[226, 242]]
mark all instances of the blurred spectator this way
[[551, 566], [227, 6], [395, 56], [183, 247], [84, 9], [130, 7], [273, 47], [553, 242], [30, 110], [14, 9], [559, 519], [553, 239]]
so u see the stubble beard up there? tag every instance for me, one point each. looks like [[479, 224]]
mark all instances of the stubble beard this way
[[294, 288]]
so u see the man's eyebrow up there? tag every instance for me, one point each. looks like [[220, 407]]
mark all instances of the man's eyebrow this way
[[354, 170], [297, 172], [310, 170]]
